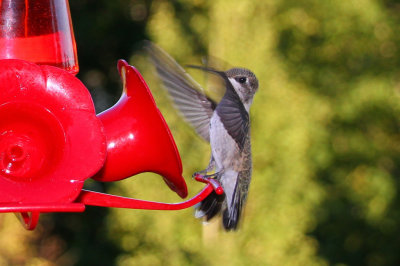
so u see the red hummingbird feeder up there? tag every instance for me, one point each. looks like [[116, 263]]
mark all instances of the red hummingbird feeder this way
[[51, 139]]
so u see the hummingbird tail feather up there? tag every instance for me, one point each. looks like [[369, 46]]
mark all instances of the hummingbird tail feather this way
[[231, 215], [210, 206]]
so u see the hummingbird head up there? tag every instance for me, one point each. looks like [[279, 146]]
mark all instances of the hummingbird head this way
[[245, 84]]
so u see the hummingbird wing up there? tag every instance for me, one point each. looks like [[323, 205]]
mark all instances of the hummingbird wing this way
[[234, 117], [187, 94], [231, 110]]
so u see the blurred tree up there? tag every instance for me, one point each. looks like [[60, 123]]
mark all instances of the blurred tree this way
[[105, 32], [334, 67], [279, 212], [348, 52]]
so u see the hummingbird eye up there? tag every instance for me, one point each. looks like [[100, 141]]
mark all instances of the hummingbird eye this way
[[241, 80]]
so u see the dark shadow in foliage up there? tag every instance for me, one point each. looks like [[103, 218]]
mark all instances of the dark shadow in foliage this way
[[346, 237], [369, 137], [105, 32], [86, 237], [344, 233]]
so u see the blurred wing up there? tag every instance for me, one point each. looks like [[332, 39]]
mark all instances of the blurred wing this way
[[186, 93]]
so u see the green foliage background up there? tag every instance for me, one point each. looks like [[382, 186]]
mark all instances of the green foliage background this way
[[325, 134]]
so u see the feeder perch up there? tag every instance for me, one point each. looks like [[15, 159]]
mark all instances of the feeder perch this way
[[51, 139]]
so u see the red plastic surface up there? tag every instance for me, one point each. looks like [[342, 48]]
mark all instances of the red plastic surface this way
[[38, 31], [29, 214], [50, 138], [29, 219], [138, 138], [107, 200], [51, 141]]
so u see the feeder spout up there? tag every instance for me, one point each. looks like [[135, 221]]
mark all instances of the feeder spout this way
[[138, 138]]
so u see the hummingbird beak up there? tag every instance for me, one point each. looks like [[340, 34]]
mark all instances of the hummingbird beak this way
[[207, 69], [216, 72]]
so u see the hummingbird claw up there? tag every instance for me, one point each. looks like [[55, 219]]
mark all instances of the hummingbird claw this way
[[202, 173], [213, 176], [217, 186]]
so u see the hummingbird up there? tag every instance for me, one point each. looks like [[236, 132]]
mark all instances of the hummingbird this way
[[225, 125]]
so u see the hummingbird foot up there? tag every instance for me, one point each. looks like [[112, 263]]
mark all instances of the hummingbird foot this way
[[212, 181], [213, 175], [204, 174], [210, 167]]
